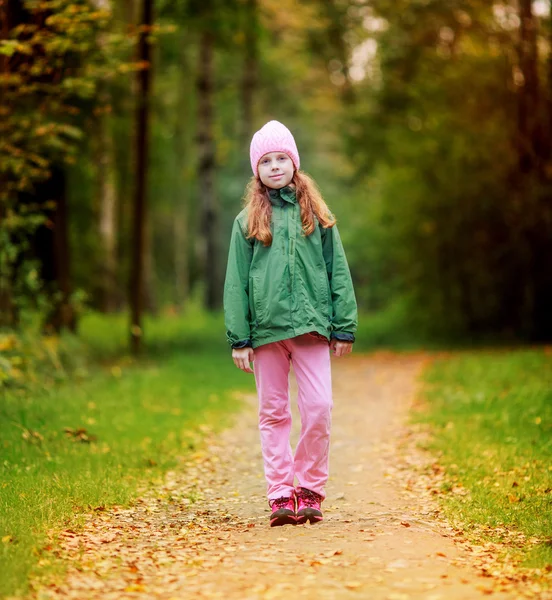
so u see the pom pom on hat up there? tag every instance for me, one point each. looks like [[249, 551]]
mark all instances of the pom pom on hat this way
[[273, 137]]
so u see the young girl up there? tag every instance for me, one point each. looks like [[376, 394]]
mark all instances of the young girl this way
[[288, 297]]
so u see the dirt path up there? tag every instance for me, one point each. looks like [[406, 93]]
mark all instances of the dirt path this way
[[205, 533]]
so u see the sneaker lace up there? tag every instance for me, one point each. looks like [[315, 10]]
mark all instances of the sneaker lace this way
[[309, 498], [280, 502]]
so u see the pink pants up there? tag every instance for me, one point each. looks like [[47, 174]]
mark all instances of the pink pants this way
[[310, 357]]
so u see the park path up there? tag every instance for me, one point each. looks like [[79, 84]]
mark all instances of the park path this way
[[204, 532]]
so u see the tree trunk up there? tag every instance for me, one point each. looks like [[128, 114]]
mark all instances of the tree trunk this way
[[548, 100], [530, 146], [181, 243], [181, 247], [108, 200], [64, 315], [139, 213], [336, 31], [250, 67], [108, 211], [542, 317], [209, 258], [52, 246]]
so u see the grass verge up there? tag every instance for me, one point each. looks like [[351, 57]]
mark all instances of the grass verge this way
[[491, 419], [81, 445]]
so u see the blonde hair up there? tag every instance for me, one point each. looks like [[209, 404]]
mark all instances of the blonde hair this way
[[259, 211]]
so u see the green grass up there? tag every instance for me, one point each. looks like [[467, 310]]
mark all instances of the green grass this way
[[491, 415], [143, 416]]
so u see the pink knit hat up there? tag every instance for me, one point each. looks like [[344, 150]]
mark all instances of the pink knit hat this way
[[273, 137]]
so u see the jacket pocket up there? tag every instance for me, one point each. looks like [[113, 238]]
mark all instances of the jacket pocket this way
[[256, 304], [324, 294]]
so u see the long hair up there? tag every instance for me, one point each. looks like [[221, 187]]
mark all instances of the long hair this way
[[259, 211]]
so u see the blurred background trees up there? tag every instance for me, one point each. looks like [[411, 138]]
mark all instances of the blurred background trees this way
[[426, 124]]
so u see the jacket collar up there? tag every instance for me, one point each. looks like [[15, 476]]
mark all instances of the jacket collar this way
[[285, 194]]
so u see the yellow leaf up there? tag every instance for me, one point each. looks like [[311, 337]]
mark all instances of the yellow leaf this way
[[6, 539], [135, 587], [7, 342]]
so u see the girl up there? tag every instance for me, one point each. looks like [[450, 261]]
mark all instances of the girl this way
[[288, 297]]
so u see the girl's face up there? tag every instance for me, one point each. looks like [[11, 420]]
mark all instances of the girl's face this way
[[276, 170]]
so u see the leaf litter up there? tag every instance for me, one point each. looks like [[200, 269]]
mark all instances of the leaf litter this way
[[203, 532]]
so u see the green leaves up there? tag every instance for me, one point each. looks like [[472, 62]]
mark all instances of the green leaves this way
[[56, 62], [9, 47]]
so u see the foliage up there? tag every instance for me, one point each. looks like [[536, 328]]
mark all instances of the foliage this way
[[407, 114], [450, 215], [17, 227], [54, 63], [30, 361], [491, 415]]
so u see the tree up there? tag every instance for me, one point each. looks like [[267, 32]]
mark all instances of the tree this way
[[139, 214], [49, 75], [250, 69], [210, 257]]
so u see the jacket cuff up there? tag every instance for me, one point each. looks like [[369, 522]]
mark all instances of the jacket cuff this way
[[343, 337], [242, 344]]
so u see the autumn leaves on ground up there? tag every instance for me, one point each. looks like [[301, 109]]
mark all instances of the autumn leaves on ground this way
[[454, 510]]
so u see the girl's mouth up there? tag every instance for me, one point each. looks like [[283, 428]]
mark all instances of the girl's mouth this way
[[276, 176]]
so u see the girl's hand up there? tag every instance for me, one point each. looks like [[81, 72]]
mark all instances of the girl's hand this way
[[242, 357], [340, 348]]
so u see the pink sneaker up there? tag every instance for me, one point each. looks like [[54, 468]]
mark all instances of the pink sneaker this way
[[308, 507], [283, 511]]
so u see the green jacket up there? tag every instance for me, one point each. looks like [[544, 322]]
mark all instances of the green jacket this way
[[297, 285]]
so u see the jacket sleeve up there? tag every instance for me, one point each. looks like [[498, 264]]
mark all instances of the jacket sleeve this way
[[236, 289], [345, 317]]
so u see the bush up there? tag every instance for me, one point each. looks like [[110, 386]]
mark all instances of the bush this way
[[29, 359]]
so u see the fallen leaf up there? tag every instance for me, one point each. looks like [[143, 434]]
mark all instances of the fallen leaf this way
[[353, 585], [484, 589], [135, 587]]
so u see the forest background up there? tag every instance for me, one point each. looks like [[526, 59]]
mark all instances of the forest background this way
[[125, 132]]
